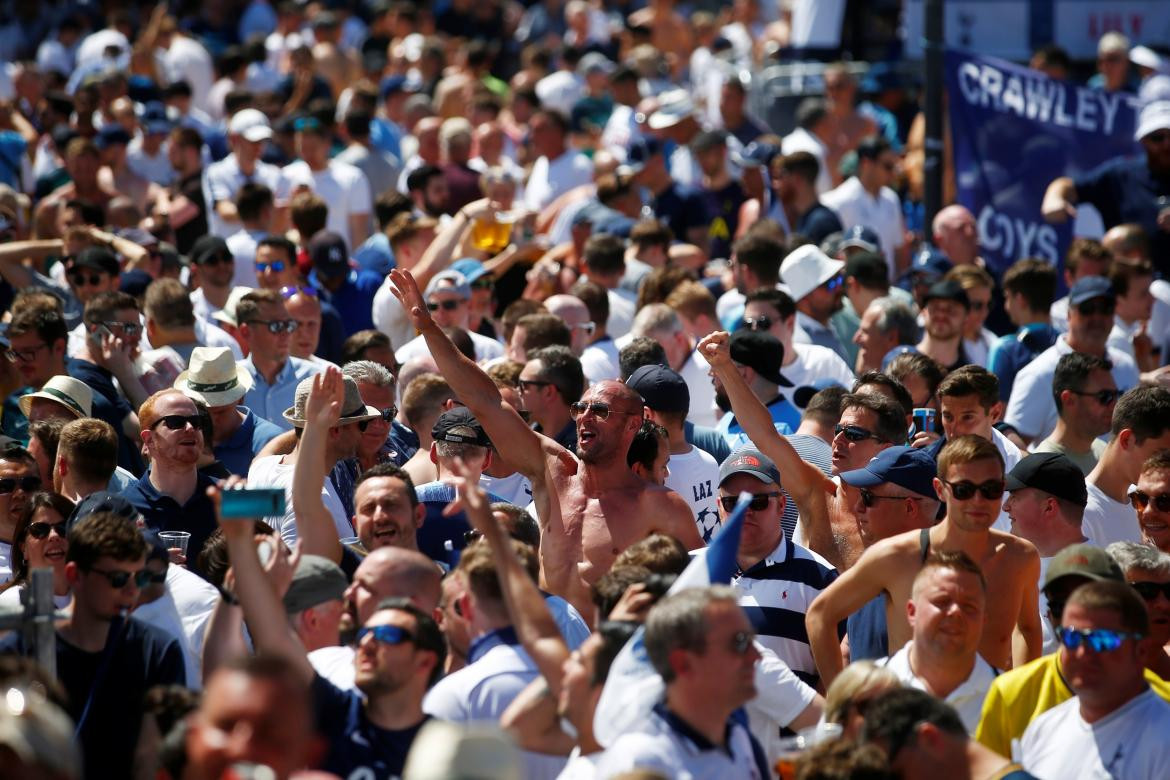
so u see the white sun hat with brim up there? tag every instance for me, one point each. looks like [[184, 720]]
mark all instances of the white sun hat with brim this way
[[71, 393], [673, 107], [806, 268], [354, 410], [227, 315], [214, 377]]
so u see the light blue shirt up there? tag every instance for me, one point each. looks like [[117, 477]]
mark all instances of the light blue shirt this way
[[270, 401], [816, 333]]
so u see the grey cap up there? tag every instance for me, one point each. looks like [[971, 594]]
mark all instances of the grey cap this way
[[353, 411], [316, 581], [449, 281], [749, 460]]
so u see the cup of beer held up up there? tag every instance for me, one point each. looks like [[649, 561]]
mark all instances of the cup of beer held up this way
[[493, 232]]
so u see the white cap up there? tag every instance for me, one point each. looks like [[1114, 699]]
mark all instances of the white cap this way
[[444, 750], [1112, 41], [1154, 117], [1147, 58], [806, 268], [673, 107], [251, 124]]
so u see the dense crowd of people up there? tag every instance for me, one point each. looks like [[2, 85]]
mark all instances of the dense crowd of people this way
[[382, 380]]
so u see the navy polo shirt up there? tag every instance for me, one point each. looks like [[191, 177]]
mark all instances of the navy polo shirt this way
[[163, 513], [237, 452], [1124, 190], [818, 223], [404, 442], [437, 529], [358, 747], [354, 300]]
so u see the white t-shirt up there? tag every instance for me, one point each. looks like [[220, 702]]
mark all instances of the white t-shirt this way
[[242, 245], [597, 365], [270, 472], [695, 477], [967, 699], [621, 314], [781, 697], [812, 364], [390, 317], [661, 746], [703, 410], [882, 214], [485, 348], [514, 488], [1011, 456], [335, 664], [5, 562], [341, 185], [1127, 744], [1107, 521], [222, 181], [801, 140], [552, 178]]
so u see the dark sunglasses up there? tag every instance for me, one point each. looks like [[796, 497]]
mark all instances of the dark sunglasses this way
[[1158, 138], [856, 433], [291, 290], [120, 579], [837, 280], [218, 260], [869, 499], [24, 355], [41, 530], [362, 425], [522, 384], [601, 411], [1150, 590], [387, 635], [1099, 640], [1098, 306], [78, 279], [127, 328], [276, 266], [447, 305], [1103, 397], [1141, 500], [759, 501], [276, 327], [992, 489], [483, 283], [388, 413], [177, 422], [763, 322], [27, 484]]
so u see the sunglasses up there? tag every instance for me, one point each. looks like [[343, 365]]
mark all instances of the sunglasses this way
[[127, 328], [27, 484], [177, 422], [290, 291], [218, 260], [81, 280], [1141, 500], [362, 425], [483, 283], [276, 327], [1103, 397], [1150, 590], [24, 355], [837, 280], [120, 579], [741, 641], [276, 266], [1101, 306], [1158, 138], [387, 635], [522, 384], [388, 413], [869, 499], [965, 490], [763, 322], [1099, 640], [759, 501], [856, 433], [447, 305], [41, 530], [601, 411]]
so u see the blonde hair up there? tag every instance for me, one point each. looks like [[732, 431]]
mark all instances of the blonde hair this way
[[857, 678]]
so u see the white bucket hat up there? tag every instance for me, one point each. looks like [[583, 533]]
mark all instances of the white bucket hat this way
[[214, 377], [71, 393], [806, 268]]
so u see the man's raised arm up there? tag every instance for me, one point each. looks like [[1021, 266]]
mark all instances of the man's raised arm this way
[[473, 387], [315, 527]]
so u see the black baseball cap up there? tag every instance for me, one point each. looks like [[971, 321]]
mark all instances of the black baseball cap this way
[[98, 258], [761, 352], [1052, 473], [102, 501], [749, 460], [328, 254], [662, 388], [207, 248], [445, 428], [948, 290]]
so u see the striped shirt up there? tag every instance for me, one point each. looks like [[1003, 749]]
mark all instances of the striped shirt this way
[[811, 449], [776, 593]]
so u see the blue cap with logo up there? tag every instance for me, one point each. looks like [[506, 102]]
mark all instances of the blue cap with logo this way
[[749, 460], [907, 467]]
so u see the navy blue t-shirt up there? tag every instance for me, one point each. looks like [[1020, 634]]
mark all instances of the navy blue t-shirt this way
[[818, 223], [108, 405], [437, 529], [868, 637], [680, 207], [357, 747], [722, 216], [1124, 190]]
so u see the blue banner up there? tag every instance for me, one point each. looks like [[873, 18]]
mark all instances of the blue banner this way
[[1014, 130]]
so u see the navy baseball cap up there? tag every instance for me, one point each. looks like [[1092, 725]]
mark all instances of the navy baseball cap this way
[[111, 134], [102, 501], [861, 237], [907, 467], [662, 388], [929, 262], [328, 254], [1090, 287], [1051, 473], [445, 427], [901, 349], [749, 460], [757, 154], [641, 150]]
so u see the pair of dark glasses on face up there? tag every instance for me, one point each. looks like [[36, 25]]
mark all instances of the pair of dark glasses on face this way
[[992, 489], [27, 484], [1103, 397], [276, 327], [127, 328], [177, 422], [856, 433], [276, 266], [388, 413], [600, 410], [758, 504], [763, 322], [120, 579], [218, 260], [1150, 590], [42, 530], [741, 641], [1099, 640], [1141, 500], [387, 635], [870, 499], [79, 279], [447, 305]]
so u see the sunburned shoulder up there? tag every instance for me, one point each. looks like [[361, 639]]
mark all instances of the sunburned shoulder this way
[[1015, 547]]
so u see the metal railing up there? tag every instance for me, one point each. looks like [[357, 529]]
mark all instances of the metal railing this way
[[36, 617]]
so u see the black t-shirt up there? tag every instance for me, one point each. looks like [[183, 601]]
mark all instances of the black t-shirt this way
[[111, 406], [1125, 190], [144, 657], [191, 187], [818, 223], [722, 207], [357, 747], [682, 208]]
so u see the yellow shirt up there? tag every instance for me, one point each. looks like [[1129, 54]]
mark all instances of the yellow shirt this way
[[1018, 696]]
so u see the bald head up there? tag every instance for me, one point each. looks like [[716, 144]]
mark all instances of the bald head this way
[[391, 572], [575, 313]]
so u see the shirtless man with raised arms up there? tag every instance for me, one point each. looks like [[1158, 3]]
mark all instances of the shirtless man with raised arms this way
[[605, 507]]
